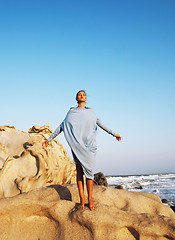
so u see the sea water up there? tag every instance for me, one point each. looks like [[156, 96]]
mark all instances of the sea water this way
[[161, 184]]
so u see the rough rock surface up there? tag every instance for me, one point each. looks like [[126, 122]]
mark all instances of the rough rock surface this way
[[26, 165], [50, 213], [100, 179]]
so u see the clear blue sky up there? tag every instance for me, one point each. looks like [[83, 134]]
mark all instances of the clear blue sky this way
[[121, 52]]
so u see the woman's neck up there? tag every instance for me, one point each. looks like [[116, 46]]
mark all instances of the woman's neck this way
[[81, 104]]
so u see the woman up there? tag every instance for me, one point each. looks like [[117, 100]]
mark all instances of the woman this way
[[80, 128]]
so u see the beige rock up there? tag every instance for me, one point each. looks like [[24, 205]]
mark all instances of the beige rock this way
[[11, 142], [50, 213], [26, 165]]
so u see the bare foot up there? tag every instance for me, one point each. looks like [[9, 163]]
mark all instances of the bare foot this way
[[81, 207], [92, 205]]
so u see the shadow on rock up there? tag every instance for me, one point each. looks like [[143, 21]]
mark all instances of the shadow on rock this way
[[63, 192]]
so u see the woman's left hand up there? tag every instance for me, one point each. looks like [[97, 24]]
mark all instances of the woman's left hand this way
[[118, 137]]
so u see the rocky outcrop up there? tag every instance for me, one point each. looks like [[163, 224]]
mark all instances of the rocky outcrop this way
[[100, 179], [51, 213], [11, 143], [173, 208], [26, 165], [119, 187]]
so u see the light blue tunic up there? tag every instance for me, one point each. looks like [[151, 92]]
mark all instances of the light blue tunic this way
[[80, 129]]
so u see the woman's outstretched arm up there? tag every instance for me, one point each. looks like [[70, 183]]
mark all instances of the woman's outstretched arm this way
[[54, 134], [101, 125]]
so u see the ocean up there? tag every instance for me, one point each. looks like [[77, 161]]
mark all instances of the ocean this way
[[162, 185]]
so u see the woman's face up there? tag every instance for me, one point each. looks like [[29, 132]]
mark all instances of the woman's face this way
[[81, 97]]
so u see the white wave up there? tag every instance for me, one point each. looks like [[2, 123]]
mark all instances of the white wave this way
[[160, 184], [146, 183]]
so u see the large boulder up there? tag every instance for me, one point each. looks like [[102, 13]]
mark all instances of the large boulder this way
[[51, 213], [100, 179], [26, 165]]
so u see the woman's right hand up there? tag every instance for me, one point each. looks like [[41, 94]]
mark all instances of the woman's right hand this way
[[118, 137], [45, 143]]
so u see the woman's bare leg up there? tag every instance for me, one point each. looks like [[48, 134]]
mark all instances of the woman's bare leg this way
[[80, 184], [89, 184]]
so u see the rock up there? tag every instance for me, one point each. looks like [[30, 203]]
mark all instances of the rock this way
[[173, 207], [38, 129], [51, 213], [26, 165], [100, 179], [164, 201], [119, 187], [138, 187], [11, 142]]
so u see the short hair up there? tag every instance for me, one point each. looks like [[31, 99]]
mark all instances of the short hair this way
[[79, 92]]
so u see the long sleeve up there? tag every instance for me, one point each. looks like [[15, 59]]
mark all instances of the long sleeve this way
[[101, 125], [55, 133]]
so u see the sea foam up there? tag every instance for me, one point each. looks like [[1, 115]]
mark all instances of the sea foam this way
[[161, 184]]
